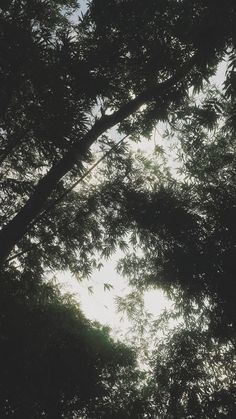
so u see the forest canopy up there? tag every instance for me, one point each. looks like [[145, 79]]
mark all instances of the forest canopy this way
[[73, 86]]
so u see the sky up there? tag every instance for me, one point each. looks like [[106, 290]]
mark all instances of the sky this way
[[100, 305], [83, 6]]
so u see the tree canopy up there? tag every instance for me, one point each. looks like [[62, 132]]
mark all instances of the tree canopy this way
[[54, 362], [72, 69], [71, 85]]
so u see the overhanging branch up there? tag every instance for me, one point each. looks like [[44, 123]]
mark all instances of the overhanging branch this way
[[12, 233]]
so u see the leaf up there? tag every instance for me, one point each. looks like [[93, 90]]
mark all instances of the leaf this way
[[90, 290], [107, 287]]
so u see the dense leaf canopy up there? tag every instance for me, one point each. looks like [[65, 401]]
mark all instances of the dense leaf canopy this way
[[54, 362], [67, 80], [112, 62]]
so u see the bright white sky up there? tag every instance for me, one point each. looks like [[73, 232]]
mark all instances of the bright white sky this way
[[100, 305]]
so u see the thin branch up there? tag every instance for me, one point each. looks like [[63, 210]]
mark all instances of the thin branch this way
[[73, 186], [64, 194]]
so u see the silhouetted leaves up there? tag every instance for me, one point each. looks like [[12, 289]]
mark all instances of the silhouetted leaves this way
[[58, 76]]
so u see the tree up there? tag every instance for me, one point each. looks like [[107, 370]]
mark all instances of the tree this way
[[63, 87], [73, 67], [193, 375], [54, 362], [186, 227], [186, 230]]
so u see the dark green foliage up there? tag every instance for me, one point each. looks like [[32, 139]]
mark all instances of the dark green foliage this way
[[187, 228], [59, 84], [193, 376], [54, 362], [65, 72], [186, 231]]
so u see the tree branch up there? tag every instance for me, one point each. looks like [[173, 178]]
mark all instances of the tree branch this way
[[13, 232]]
